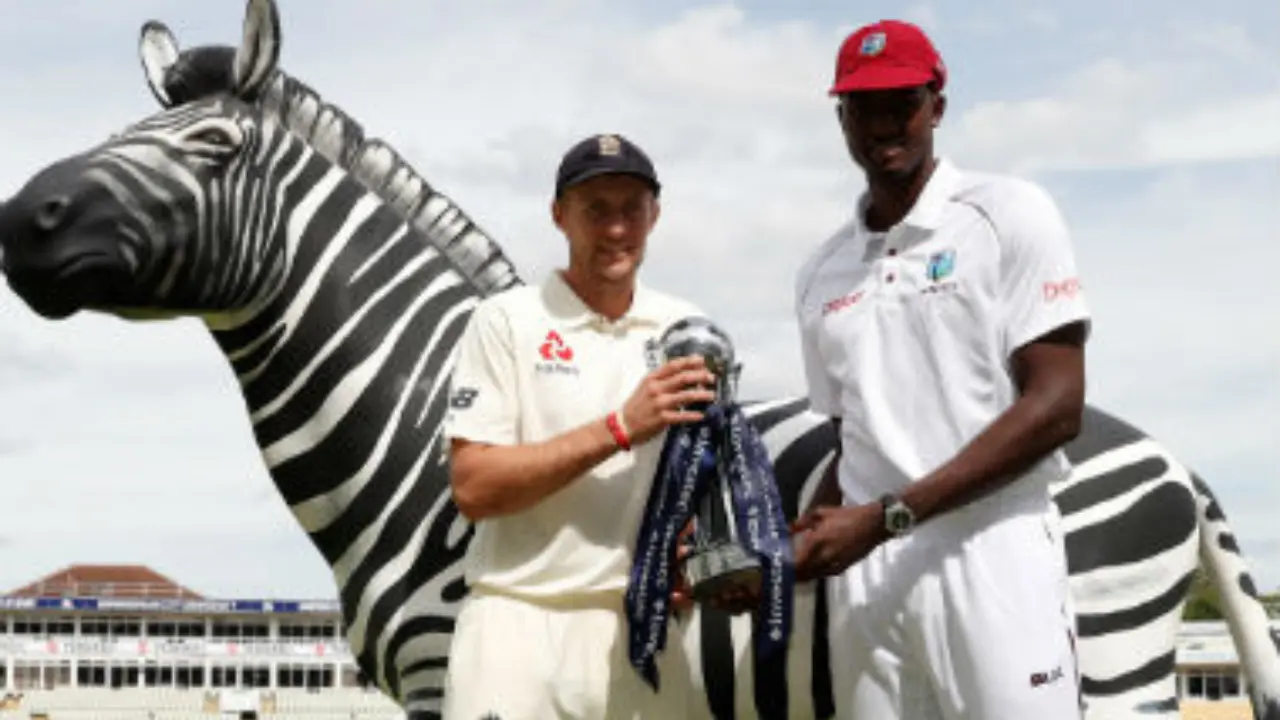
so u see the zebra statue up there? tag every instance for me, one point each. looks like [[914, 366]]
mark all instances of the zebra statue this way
[[336, 280]]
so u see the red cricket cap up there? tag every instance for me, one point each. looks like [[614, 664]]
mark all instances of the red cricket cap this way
[[885, 55]]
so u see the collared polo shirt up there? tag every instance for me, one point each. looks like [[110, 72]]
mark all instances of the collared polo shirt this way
[[536, 362], [907, 335]]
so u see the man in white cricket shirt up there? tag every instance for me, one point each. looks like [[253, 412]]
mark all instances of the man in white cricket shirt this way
[[943, 329], [558, 411]]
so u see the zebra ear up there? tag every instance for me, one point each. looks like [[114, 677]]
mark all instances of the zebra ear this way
[[259, 49], [158, 51]]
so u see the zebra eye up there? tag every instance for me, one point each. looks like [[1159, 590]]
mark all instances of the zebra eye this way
[[214, 136]]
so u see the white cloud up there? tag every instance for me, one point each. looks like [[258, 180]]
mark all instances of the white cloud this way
[[1114, 114], [735, 113]]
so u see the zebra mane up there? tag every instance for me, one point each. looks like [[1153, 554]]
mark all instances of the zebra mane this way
[[337, 136]]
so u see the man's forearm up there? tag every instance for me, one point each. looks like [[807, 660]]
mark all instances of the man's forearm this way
[[504, 479], [1030, 429]]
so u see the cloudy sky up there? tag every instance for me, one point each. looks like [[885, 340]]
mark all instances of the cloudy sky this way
[[1154, 123]]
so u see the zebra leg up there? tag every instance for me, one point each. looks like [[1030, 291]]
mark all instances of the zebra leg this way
[[1257, 644], [1130, 521]]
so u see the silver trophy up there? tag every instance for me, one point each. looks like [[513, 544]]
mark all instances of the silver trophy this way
[[718, 560]]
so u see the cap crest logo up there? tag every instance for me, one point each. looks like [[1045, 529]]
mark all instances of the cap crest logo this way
[[872, 44], [609, 144]]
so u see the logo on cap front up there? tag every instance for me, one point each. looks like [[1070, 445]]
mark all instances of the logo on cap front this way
[[872, 44], [609, 144]]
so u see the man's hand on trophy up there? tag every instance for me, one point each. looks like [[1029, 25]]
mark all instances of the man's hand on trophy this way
[[827, 540], [663, 396]]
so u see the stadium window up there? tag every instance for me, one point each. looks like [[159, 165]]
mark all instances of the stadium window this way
[[1213, 686], [161, 629], [26, 676], [1230, 685], [1195, 684], [62, 626], [224, 676], [91, 673], [256, 676], [126, 627]]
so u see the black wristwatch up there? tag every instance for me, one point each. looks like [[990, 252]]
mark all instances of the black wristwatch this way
[[898, 518]]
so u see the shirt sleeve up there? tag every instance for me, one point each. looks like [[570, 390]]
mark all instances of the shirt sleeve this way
[[821, 388], [483, 396], [1040, 285]]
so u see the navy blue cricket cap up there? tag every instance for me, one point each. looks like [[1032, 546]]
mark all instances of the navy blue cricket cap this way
[[606, 154]]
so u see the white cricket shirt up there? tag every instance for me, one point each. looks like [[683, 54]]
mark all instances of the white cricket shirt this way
[[533, 363], [907, 335]]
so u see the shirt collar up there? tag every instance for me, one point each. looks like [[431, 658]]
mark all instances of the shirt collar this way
[[926, 214], [568, 308]]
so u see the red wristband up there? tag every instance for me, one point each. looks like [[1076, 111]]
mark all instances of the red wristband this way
[[615, 427]]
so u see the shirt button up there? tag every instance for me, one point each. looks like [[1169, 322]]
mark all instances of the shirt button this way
[[893, 251], [889, 277]]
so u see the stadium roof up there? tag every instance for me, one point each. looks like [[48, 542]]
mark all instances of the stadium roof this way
[[119, 581]]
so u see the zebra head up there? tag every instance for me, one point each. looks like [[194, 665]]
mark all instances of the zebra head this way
[[169, 216]]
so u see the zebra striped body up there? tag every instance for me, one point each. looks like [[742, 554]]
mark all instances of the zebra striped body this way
[[1136, 522], [336, 282]]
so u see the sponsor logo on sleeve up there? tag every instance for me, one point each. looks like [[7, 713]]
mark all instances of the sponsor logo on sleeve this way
[[1060, 289], [463, 398]]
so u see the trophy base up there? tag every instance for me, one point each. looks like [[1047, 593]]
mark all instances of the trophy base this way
[[722, 568]]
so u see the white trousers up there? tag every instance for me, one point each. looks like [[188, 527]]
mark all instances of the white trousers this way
[[956, 623], [514, 660]]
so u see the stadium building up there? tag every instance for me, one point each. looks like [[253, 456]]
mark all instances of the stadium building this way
[[117, 642], [124, 642]]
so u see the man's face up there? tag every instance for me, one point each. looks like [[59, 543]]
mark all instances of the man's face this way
[[890, 132], [607, 220]]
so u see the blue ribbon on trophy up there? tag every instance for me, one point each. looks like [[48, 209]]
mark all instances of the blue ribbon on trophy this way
[[717, 472]]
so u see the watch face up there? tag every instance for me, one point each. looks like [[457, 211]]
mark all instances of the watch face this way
[[898, 519]]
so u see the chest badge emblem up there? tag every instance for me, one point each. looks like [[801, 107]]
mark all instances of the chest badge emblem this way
[[941, 264]]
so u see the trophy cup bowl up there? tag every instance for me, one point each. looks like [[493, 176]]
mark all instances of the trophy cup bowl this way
[[719, 562]]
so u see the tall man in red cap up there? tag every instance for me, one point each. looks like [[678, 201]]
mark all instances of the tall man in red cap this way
[[943, 329]]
